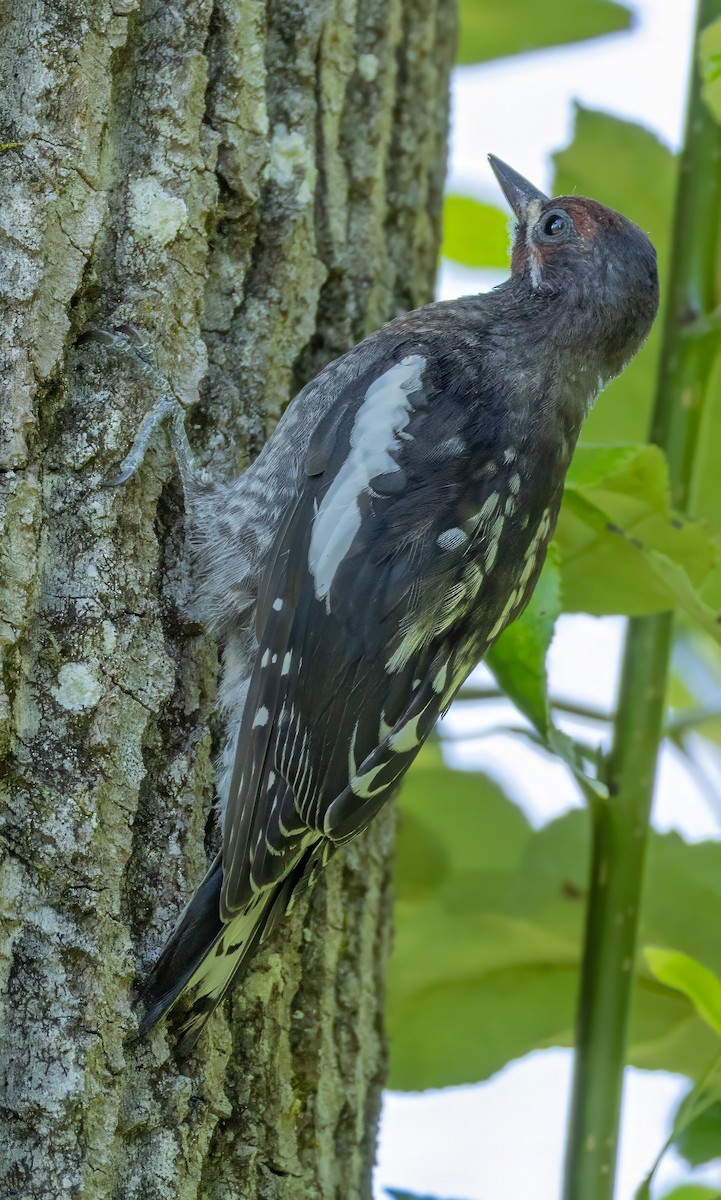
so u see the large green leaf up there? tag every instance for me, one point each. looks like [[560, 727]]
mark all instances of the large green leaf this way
[[485, 966], [491, 30], [628, 168], [474, 233], [622, 548]]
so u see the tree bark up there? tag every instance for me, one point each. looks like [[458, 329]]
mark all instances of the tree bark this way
[[255, 186]]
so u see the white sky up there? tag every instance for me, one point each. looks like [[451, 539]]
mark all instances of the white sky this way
[[503, 1140]]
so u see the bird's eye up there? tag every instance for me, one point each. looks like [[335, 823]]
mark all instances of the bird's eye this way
[[555, 226]]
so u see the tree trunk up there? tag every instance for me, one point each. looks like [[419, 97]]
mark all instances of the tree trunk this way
[[255, 186]]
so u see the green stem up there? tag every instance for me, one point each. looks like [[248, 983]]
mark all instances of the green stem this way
[[619, 836], [681, 722], [620, 824], [574, 709]]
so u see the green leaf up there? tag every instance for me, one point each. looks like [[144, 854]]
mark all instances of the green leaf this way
[[489, 30], [485, 966], [700, 1141], [696, 1131], [622, 548], [474, 233], [458, 946], [696, 981], [518, 661], [640, 183], [709, 49], [692, 1191]]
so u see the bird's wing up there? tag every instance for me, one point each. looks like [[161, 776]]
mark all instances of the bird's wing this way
[[362, 587]]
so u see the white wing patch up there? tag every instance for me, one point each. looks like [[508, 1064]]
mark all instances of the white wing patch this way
[[261, 718], [376, 431]]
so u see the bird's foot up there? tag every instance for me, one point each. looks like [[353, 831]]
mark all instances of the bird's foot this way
[[127, 341]]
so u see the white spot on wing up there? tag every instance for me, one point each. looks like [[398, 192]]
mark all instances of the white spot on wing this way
[[278, 604], [362, 785], [441, 678], [407, 737], [352, 764], [451, 539], [261, 717], [379, 421]]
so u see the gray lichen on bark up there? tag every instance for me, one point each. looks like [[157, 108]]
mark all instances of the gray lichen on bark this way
[[256, 186]]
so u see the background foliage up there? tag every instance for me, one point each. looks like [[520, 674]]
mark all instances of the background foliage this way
[[489, 911]]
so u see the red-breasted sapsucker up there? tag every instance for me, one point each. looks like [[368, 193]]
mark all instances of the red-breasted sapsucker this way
[[393, 525]]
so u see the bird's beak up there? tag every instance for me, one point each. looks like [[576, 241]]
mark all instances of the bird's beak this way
[[519, 193]]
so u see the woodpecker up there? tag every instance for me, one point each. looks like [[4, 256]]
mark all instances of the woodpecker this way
[[394, 524]]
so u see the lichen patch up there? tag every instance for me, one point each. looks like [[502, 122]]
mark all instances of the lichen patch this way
[[155, 215], [78, 688]]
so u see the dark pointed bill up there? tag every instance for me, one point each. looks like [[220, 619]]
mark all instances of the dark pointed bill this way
[[518, 191]]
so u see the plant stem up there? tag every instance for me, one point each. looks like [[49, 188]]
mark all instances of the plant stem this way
[[688, 720], [620, 824], [619, 836], [681, 722], [572, 707]]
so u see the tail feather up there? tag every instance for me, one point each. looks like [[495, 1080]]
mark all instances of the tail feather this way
[[203, 956], [207, 987], [196, 932]]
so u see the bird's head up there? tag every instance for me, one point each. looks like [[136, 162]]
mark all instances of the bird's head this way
[[597, 263]]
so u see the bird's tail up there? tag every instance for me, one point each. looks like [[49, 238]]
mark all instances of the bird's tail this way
[[203, 955]]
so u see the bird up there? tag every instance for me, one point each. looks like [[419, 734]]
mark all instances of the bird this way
[[391, 528]]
